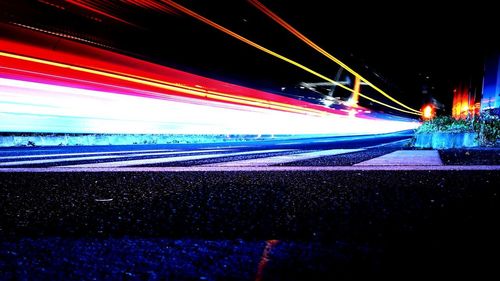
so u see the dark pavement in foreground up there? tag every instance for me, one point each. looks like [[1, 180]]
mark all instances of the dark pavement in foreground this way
[[214, 225], [322, 218]]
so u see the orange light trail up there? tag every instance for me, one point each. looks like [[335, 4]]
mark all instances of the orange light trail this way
[[386, 105], [90, 8], [150, 5], [251, 43], [193, 91], [255, 45], [306, 40]]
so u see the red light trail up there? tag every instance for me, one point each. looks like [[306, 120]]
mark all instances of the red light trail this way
[[90, 71]]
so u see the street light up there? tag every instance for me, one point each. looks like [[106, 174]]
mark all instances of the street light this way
[[428, 112]]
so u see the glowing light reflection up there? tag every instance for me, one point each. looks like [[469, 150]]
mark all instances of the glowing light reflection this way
[[37, 107], [290, 61], [192, 91]]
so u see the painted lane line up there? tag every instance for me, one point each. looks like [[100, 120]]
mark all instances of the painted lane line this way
[[404, 141], [22, 151], [251, 169], [275, 160], [45, 161], [405, 158], [81, 153], [170, 159]]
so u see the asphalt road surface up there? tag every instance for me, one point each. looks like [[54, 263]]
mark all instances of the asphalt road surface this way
[[278, 210]]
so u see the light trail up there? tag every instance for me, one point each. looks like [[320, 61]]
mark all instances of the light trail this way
[[84, 5], [251, 43], [259, 47], [173, 87], [60, 86], [70, 57], [36, 107], [306, 40], [150, 4]]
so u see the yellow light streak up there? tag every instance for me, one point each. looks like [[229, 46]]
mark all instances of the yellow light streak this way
[[389, 106], [193, 91], [306, 40], [255, 45], [251, 43]]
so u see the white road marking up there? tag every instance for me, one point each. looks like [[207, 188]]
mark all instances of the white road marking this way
[[171, 159], [252, 169], [44, 161], [388, 143], [405, 158], [274, 160], [22, 151], [80, 153]]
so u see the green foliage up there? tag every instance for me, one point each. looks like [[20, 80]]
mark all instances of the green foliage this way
[[446, 124], [487, 127]]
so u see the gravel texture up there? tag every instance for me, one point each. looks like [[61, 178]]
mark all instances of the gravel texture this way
[[348, 159], [333, 225], [471, 156]]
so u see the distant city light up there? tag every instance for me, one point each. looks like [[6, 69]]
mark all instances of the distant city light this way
[[427, 112]]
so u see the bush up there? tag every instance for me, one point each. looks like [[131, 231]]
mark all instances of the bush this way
[[486, 126], [446, 124]]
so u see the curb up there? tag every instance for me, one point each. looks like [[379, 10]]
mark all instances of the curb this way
[[445, 140], [48, 139], [121, 139]]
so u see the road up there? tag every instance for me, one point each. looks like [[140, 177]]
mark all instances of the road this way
[[387, 152], [265, 153], [329, 217]]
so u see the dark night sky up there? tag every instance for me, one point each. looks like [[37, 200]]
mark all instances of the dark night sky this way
[[396, 42]]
